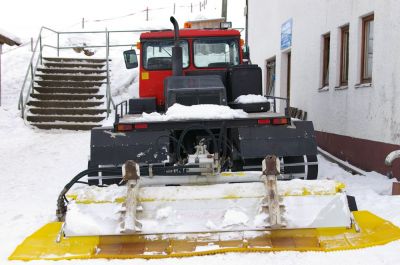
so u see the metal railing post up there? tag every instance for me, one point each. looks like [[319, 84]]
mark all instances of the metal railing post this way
[[108, 92], [41, 47], [58, 44], [32, 77]]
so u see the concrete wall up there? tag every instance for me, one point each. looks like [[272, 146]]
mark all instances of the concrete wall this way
[[369, 112]]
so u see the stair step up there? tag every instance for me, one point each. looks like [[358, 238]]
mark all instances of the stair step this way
[[73, 64], [67, 118], [66, 96], [66, 77], [54, 83], [64, 104], [60, 59], [71, 70], [66, 126], [66, 111], [67, 90]]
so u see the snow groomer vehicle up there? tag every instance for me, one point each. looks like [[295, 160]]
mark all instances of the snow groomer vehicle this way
[[201, 163]]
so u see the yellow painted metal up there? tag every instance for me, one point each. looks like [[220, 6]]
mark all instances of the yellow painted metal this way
[[145, 75], [90, 201], [41, 245], [306, 191]]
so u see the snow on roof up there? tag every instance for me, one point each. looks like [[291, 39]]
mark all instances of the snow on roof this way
[[8, 38], [204, 19]]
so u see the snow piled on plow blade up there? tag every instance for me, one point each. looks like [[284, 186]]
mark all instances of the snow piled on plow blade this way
[[208, 208]]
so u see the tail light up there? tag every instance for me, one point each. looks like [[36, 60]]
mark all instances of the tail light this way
[[141, 126], [279, 121], [264, 121], [274, 121], [124, 127]]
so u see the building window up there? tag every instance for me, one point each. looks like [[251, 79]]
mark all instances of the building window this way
[[344, 56], [367, 48], [325, 59]]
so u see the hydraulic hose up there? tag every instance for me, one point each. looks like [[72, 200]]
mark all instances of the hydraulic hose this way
[[61, 206]]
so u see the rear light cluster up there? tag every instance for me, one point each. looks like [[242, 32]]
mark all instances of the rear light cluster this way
[[130, 127], [273, 121], [138, 126]]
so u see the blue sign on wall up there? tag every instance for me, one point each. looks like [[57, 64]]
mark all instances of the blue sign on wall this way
[[286, 34]]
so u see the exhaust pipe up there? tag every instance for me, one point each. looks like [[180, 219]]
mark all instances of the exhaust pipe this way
[[176, 51]]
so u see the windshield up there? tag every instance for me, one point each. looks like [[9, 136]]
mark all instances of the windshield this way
[[157, 55], [216, 52]]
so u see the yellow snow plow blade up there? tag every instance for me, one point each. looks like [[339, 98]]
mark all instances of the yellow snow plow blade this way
[[42, 244]]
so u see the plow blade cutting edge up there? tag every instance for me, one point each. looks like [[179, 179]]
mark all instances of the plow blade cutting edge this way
[[182, 221]]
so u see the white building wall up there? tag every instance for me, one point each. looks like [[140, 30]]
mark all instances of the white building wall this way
[[368, 112]]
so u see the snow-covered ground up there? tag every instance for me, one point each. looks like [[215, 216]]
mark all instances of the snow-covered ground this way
[[36, 164]]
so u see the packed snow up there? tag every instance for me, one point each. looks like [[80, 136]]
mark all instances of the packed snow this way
[[234, 206], [163, 213], [234, 217], [250, 98], [35, 164], [178, 112]]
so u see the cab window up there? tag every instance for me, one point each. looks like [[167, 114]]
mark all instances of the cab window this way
[[214, 53], [157, 55]]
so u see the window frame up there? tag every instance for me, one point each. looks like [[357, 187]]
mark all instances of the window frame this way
[[234, 39], [142, 58], [364, 44], [326, 43], [344, 81]]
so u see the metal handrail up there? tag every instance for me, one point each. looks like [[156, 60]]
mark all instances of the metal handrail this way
[[33, 64], [21, 103]]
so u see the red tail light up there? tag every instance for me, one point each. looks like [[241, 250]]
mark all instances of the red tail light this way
[[124, 127], [279, 121], [264, 121], [141, 126]]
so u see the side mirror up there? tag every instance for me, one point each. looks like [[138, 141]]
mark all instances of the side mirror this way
[[130, 58]]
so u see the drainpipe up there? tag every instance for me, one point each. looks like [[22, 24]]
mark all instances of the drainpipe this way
[[390, 158], [389, 162], [246, 36], [1, 46]]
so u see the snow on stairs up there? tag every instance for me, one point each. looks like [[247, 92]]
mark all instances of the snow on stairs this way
[[67, 94]]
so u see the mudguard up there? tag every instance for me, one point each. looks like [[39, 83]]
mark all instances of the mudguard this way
[[295, 144], [114, 148]]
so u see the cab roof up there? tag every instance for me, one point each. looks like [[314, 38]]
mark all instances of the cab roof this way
[[191, 33]]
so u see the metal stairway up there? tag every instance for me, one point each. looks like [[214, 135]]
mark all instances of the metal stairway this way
[[66, 94]]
